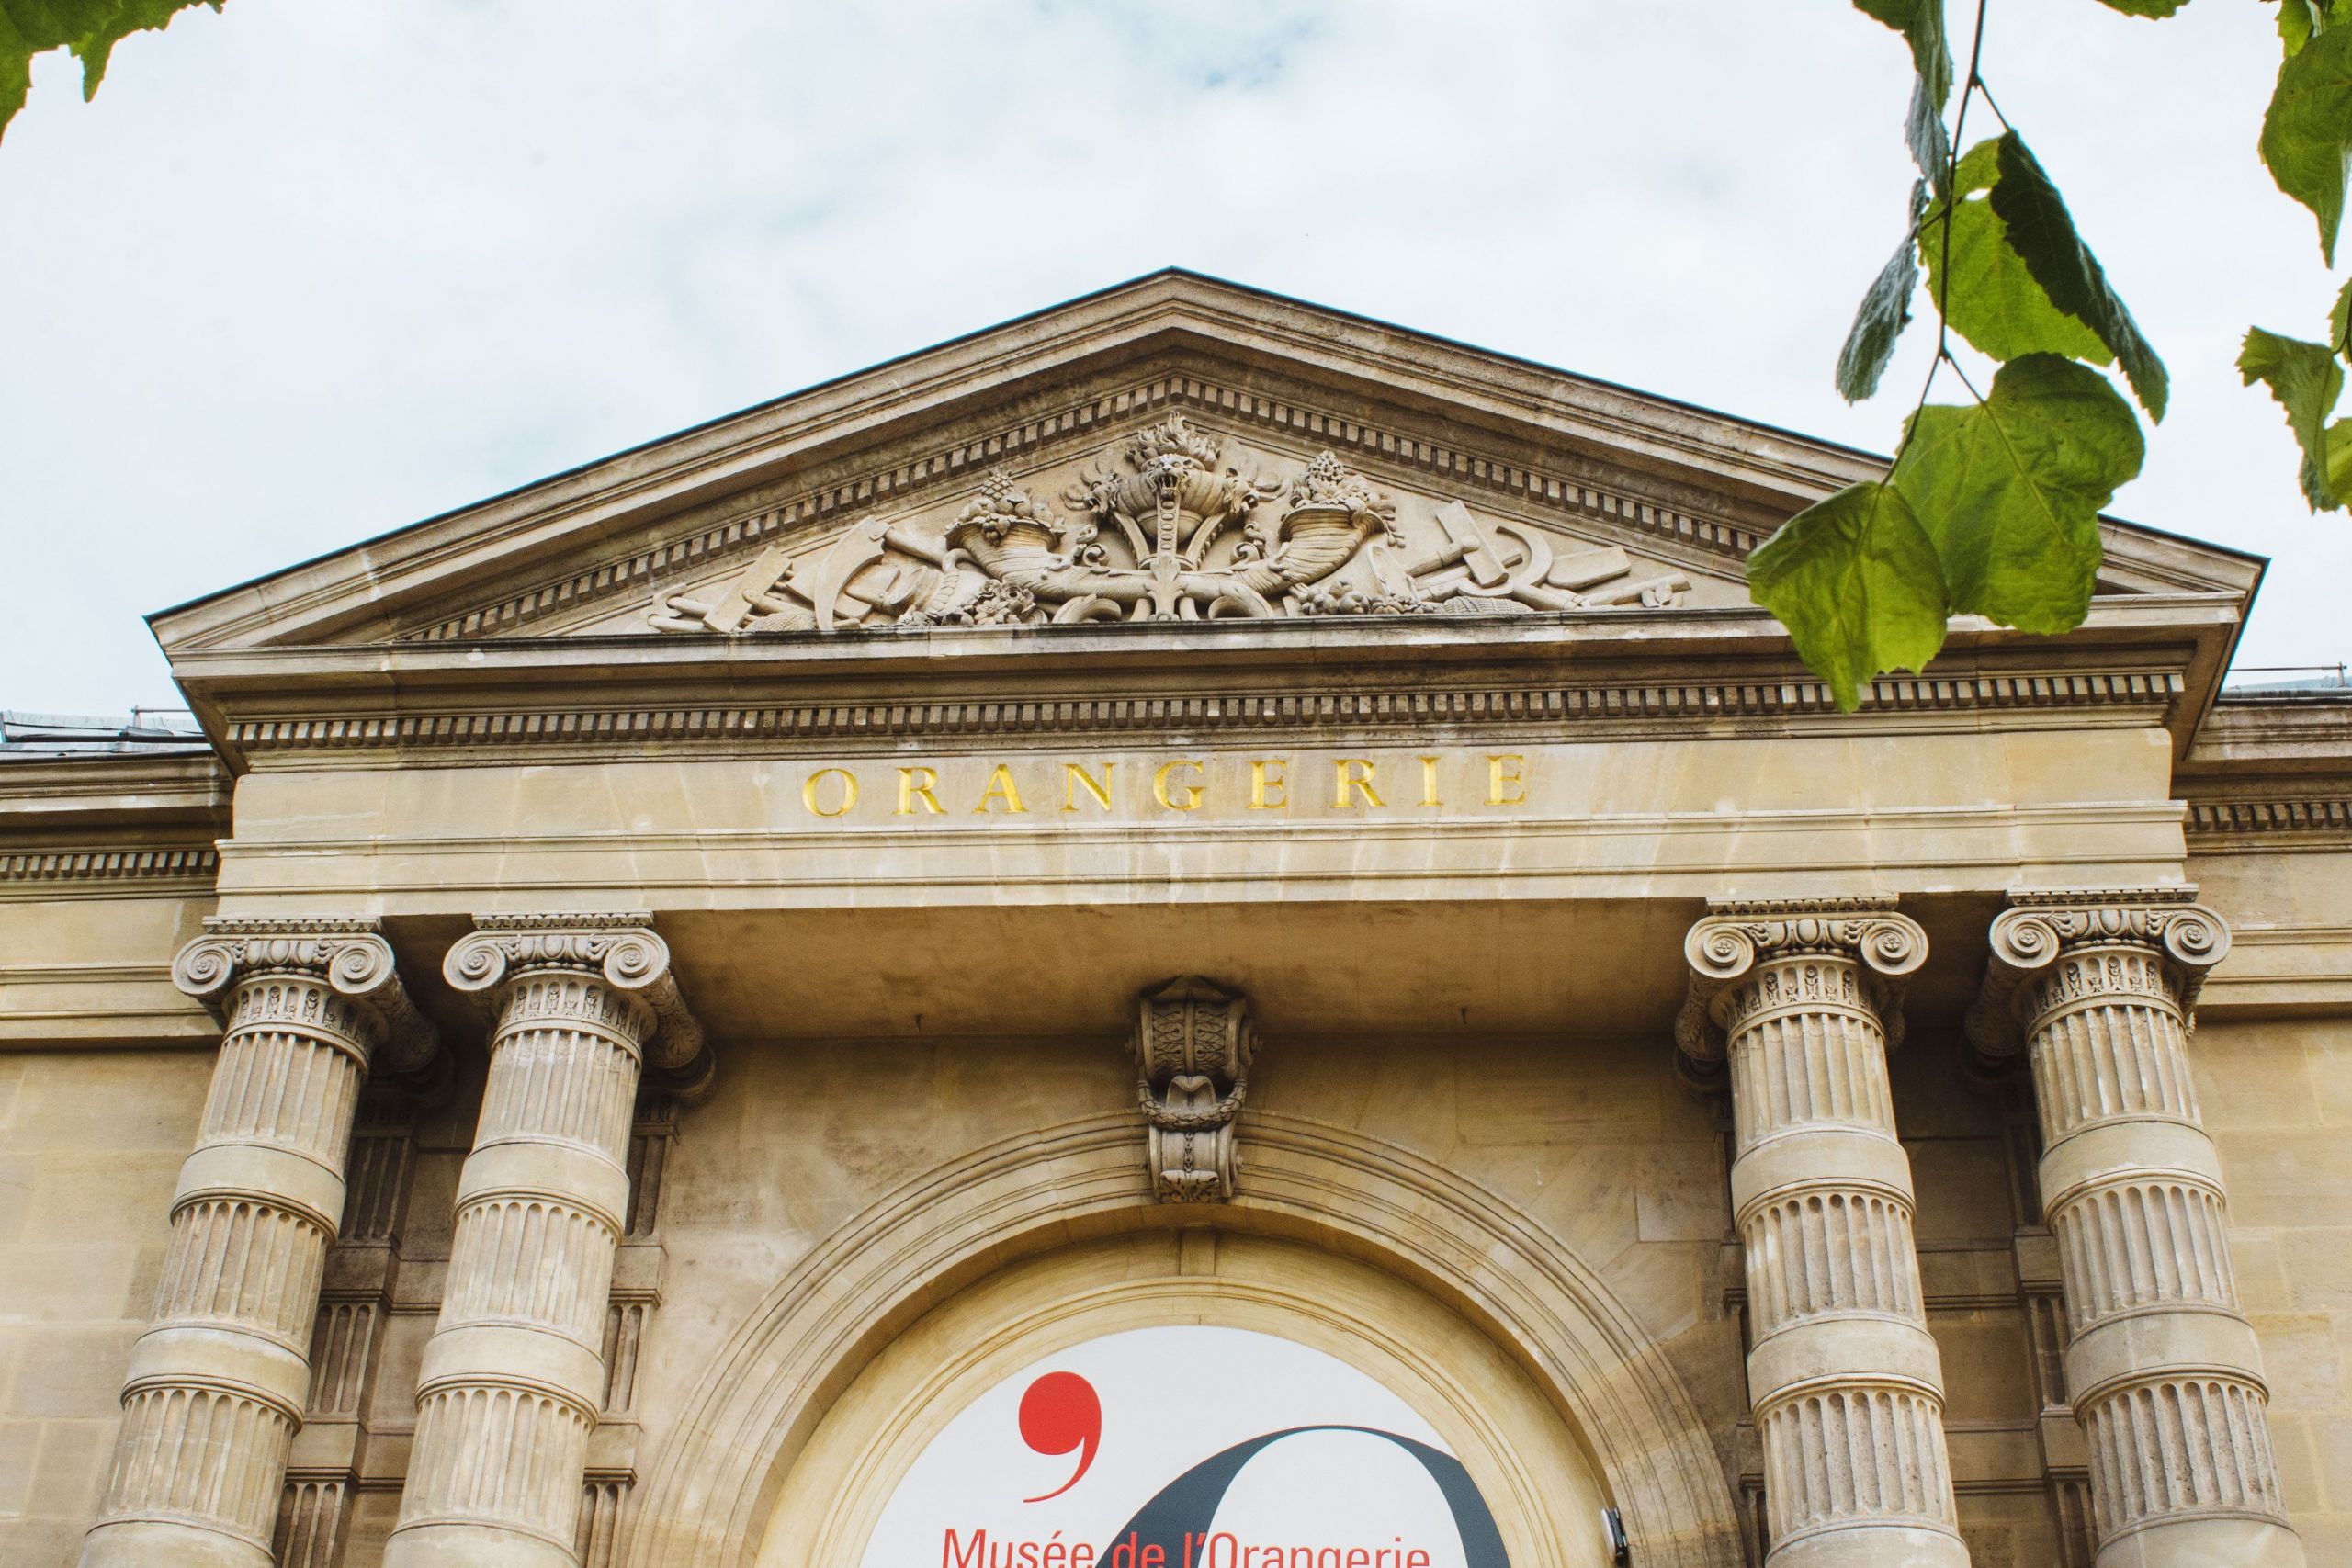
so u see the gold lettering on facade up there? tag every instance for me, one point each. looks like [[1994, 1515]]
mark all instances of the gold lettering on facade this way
[[1223, 786], [849, 791], [1074, 774], [1190, 792], [1001, 787], [916, 784], [1261, 781]]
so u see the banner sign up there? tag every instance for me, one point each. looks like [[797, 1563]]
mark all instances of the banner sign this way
[[1187, 1446]]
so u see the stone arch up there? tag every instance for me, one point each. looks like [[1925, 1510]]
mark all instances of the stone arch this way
[[761, 1397]]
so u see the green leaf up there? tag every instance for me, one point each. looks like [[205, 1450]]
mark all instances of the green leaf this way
[[2340, 323], [1854, 579], [2010, 490], [1886, 311], [2339, 457], [89, 28], [2042, 230], [1921, 22], [2146, 7], [2296, 23], [2307, 132], [95, 47], [1922, 133], [2306, 381], [1993, 299]]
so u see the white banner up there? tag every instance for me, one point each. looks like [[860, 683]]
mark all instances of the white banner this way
[[1187, 1446]]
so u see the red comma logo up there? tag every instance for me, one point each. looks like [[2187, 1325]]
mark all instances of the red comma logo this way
[[1060, 1413]]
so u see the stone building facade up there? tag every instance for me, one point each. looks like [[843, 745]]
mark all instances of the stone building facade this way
[[1189, 870]]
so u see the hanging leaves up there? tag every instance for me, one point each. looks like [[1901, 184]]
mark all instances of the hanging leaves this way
[[1856, 581], [2006, 494], [2041, 231], [2306, 380], [89, 28], [1991, 510], [2297, 22], [1886, 311], [1992, 298], [2010, 490], [1921, 22], [2307, 133]]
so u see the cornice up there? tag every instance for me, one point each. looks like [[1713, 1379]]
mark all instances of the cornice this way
[[54, 789], [1583, 710], [2270, 771], [112, 824], [2263, 819], [2276, 733], [2142, 662], [194, 865]]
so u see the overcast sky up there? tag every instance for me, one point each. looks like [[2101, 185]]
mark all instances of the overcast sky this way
[[308, 270]]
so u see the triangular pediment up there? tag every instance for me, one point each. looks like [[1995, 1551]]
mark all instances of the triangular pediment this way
[[1175, 518], [1175, 447]]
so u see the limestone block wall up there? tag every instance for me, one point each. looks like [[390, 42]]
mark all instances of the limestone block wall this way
[[91, 1144], [2272, 1061], [2277, 1096]]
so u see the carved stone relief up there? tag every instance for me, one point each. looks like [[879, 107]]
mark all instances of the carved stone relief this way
[[1194, 1043], [1169, 531]]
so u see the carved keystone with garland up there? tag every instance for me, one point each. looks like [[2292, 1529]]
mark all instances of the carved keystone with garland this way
[[217, 1386], [2095, 987], [1194, 1042], [1801, 1002]]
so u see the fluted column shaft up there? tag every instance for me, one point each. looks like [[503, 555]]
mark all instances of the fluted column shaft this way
[[514, 1374], [1844, 1377], [2162, 1366], [217, 1386]]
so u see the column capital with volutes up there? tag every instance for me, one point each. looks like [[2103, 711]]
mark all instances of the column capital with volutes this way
[[1734, 938], [621, 949], [346, 953], [2024, 977]]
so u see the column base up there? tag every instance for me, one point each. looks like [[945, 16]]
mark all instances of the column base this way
[[154, 1544], [2206, 1543], [1874, 1546], [473, 1546]]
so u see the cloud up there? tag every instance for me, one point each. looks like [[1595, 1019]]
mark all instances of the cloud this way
[[302, 274]]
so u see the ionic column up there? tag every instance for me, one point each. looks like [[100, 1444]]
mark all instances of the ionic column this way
[[1845, 1380], [217, 1386], [514, 1374], [2161, 1365]]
